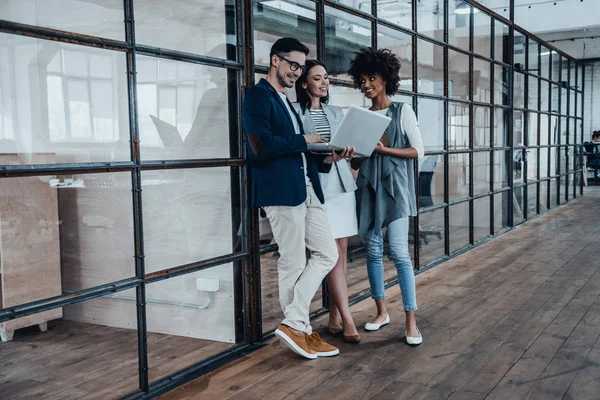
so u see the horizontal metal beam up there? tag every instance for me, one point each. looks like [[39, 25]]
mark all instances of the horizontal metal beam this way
[[194, 267]]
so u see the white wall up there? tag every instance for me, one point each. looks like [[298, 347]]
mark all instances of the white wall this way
[[591, 100]]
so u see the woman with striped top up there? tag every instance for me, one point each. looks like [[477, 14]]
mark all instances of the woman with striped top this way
[[312, 91]]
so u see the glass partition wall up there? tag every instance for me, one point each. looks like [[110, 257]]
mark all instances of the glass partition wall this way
[[129, 257]]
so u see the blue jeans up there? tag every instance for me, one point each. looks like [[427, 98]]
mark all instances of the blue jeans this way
[[397, 233]]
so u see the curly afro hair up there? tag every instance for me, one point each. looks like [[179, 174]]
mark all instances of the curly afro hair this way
[[381, 61]]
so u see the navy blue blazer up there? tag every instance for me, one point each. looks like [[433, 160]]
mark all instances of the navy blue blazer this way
[[275, 151]]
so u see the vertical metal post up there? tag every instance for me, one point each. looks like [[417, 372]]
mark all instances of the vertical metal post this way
[[525, 209], [471, 126], [582, 125], [539, 127], [136, 187], [509, 59], [492, 122], [415, 79], [446, 131]]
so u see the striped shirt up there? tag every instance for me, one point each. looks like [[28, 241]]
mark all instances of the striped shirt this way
[[321, 123]]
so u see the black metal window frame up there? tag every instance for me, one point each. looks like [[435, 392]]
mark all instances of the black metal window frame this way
[[246, 258]]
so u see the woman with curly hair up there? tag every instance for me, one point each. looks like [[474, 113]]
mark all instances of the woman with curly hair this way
[[386, 184]]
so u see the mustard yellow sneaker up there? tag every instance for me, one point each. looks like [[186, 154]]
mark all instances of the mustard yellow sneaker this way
[[321, 347], [296, 341]]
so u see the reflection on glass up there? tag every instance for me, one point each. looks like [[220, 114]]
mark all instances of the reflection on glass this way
[[545, 54], [481, 172], [533, 57], [459, 226], [501, 39], [500, 165], [458, 176], [276, 19], [344, 35], [430, 58], [532, 101], [518, 204], [343, 97], [481, 81], [501, 89], [190, 318], [481, 134], [482, 33], [431, 181], [481, 218], [458, 136], [364, 6], [183, 110], [519, 51], [532, 200], [430, 19], [544, 96], [401, 45], [533, 129], [103, 19], [200, 227], [519, 90], [398, 12], [501, 211], [432, 223], [212, 21], [431, 121], [500, 127], [63, 100], [544, 127], [563, 102], [518, 128], [544, 172], [459, 23], [458, 75], [543, 196], [553, 193], [90, 356]]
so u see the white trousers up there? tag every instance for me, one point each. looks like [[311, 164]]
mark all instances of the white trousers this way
[[295, 229]]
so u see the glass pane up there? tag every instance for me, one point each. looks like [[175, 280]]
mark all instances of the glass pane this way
[[200, 227], [518, 128], [104, 19], [401, 45], [533, 129], [458, 176], [481, 136], [48, 107], [532, 200], [519, 51], [482, 33], [544, 96], [431, 121], [543, 196], [344, 35], [533, 57], [459, 226], [398, 12], [518, 204], [458, 114], [563, 102], [481, 172], [544, 153], [501, 89], [519, 90], [459, 24], [183, 110], [364, 6], [553, 193], [545, 66], [187, 324], [430, 61], [481, 81], [501, 160], [518, 166], [500, 127], [532, 101], [63, 233], [430, 19], [501, 39], [433, 223], [501, 211], [481, 218], [90, 353], [544, 127], [458, 75], [276, 19], [343, 97], [431, 181], [171, 26]]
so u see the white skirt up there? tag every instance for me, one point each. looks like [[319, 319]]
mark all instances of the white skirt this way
[[341, 213]]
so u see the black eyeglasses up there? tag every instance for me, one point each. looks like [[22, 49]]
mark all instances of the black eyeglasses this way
[[294, 66]]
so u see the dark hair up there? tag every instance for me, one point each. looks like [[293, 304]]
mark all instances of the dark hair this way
[[302, 96], [382, 62], [286, 45], [596, 134]]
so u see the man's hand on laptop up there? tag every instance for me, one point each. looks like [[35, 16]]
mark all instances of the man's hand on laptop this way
[[314, 138], [337, 155]]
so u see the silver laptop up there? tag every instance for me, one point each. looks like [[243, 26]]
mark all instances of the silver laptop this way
[[360, 128]]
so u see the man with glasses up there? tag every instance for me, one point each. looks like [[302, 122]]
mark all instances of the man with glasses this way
[[285, 183]]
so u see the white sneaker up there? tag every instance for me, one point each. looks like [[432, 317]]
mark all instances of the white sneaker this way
[[414, 340], [373, 327]]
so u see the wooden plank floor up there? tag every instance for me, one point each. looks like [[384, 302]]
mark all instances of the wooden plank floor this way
[[516, 318]]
